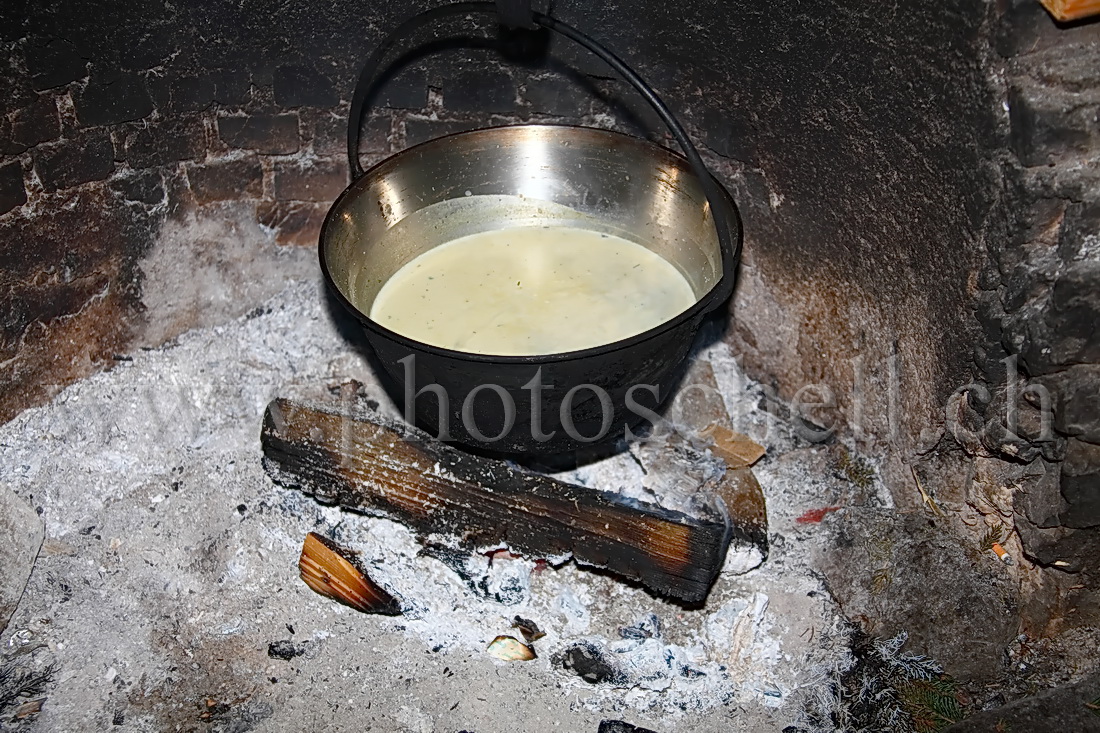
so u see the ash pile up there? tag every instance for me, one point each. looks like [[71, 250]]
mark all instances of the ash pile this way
[[167, 591]]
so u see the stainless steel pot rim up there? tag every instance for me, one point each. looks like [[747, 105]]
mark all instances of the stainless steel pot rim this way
[[720, 290]]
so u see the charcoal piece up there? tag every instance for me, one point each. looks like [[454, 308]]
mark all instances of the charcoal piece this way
[[286, 649], [588, 662], [365, 463], [618, 726]]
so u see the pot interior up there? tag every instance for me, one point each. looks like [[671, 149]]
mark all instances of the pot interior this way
[[518, 176]]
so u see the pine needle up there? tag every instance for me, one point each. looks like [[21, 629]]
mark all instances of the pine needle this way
[[992, 537]]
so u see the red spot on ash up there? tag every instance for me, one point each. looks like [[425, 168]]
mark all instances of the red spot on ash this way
[[815, 515]]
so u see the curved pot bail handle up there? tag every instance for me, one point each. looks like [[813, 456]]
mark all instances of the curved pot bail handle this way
[[518, 13]]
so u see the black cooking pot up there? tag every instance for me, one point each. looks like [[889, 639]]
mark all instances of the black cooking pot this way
[[521, 175]]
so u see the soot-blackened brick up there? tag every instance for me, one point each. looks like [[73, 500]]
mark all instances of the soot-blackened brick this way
[[53, 62], [408, 89], [148, 48], [173, 139], [83, 158], [183, 94], [330, 135], [267, 134], [227, 180], [558, 95], [15, 91], [480, 90], [113, 99], [8, 146], [36, 123], [729, 135], [418, 131], [146, 187], [231, 86], [315, 180], [12, 192], [303, 86], [295, 222]]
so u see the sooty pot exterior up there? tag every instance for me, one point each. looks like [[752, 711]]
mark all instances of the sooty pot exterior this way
[[521, 176]]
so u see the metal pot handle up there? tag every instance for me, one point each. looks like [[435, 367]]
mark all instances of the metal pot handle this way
[[731, 250]]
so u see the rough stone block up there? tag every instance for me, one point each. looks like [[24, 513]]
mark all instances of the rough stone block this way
[[303, 86], [1081, 484], [68, 163], [53, 62], [311, 180], [36, 123], [1079, 236], [1069, 550], [1066, 329], [1075, 393], [21, 535], [486, 90], [108, 100], [12, 191], [1039, 497], [266, 134], [1075, 312], [295, 222], [227, 180], [167, 141], [1047, 124]]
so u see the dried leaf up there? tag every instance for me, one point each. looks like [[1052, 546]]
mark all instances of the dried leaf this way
[[736, 449], [510, 649], [331, 571]]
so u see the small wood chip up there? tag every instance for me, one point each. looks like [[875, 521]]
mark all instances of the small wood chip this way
[[332, 571], [736, 449], [1068, 10], [510, 649], [28, 709]]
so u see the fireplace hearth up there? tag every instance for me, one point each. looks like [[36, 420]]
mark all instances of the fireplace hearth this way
[[913, 340]]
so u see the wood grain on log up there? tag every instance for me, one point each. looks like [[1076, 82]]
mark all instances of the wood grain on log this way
[[368, 464]]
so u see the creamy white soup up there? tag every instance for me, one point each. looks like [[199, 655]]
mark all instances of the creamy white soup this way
[[531, 290]]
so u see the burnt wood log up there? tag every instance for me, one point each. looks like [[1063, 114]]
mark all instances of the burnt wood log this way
[[368, 464]]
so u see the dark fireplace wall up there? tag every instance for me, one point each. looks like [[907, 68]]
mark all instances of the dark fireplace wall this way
[[915, 183], [860, 145]]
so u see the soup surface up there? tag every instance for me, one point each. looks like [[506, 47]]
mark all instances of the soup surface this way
[[531, 290]]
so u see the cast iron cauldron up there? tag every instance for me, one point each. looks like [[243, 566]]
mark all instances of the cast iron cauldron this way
[[527, 175]]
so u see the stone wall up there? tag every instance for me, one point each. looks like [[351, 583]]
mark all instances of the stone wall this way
[[1040, 301]]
